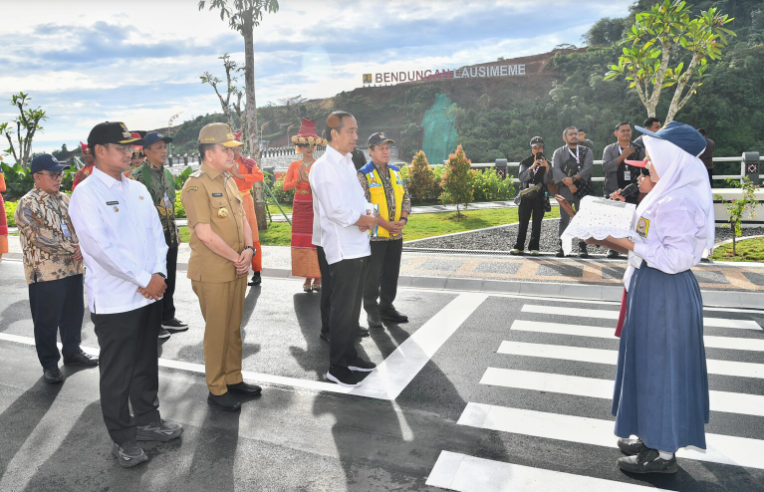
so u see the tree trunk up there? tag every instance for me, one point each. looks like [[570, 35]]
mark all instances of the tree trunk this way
[[251, 113]]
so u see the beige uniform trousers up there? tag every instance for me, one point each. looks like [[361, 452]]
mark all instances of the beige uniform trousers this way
[[222, 308]]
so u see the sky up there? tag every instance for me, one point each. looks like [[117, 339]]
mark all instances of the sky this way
[[140, 62]]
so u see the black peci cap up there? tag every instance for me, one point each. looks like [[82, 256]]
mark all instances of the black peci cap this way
[[537, 141], [111, 132]]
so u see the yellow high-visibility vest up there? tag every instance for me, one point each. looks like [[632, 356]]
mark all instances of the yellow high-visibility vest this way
[[378, 196]]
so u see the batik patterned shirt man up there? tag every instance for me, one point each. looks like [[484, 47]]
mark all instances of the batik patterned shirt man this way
[[47, 237], [161, 186]]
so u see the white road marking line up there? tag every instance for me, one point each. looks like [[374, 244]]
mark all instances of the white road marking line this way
[[462, 473], [599, 356], [741, 324], [729, 450], [747, 344], [721, 401], [386, 383], [401, 367]]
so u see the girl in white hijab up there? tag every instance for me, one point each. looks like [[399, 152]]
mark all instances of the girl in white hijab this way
[[661, 390]]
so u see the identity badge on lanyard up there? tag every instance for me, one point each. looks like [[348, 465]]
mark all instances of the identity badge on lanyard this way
[[575, 156], [167, 202], [65, 230], [626, 169]]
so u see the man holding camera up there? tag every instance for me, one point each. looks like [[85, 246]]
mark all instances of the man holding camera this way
[[618, 174], [572, 168], [535, 174]]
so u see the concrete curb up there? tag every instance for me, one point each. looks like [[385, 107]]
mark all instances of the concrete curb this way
[[582, 292]]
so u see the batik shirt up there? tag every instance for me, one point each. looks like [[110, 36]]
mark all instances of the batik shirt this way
[[162, 190], [47, 237], [389, 195]]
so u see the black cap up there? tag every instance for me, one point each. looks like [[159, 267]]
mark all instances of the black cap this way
[[537, 141], [379, 138], [111, 132], [154, 137], [46, 162]]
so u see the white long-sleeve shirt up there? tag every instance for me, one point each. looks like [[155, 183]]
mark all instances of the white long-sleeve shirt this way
[[674, 233], [338, 203], [121, 239]]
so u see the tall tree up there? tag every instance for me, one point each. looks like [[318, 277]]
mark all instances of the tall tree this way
[[243, 16], [665, 34], [232, 90], [26, 124]]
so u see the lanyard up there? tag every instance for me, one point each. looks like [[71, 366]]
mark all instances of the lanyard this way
[[575, 156]]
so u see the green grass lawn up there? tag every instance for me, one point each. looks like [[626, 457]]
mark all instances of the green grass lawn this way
[[275, 210], [747, 250], [420, 226]]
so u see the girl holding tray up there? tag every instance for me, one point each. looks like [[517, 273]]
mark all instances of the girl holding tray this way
[[661, 387]]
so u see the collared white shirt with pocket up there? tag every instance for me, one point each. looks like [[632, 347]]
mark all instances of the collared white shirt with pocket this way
[[338, 203], [121, 239]]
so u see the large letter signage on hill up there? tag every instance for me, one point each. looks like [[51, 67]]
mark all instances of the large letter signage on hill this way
[[430, 75]]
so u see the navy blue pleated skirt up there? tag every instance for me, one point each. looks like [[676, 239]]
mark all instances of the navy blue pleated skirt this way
[[661, 385]]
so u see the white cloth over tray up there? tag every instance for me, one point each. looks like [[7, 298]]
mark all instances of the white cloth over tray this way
[[599, 218]]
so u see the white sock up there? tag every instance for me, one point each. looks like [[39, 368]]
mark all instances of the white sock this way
[[665, 455]]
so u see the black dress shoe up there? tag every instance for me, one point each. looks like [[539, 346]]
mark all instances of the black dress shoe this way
[[256, 279], [325, 337], [631, 446], [81, 359], [394, 316], [612, 254], [560, 253], [582, 251], [648, 461], [362, 332], [226, 401], [245, 388], [174, 325], [52, 375], [374, 320]]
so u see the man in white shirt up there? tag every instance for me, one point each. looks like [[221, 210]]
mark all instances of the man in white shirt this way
[[123, 246], [341, 220]]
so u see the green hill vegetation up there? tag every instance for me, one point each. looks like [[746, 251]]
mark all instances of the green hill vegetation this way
[[496, 118]]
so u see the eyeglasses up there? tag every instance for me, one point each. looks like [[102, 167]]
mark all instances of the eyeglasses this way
[[125, 149], [57, 175]]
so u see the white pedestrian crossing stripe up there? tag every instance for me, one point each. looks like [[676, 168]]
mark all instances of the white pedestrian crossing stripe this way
[[601, 356], [455, 471], [742, 324], [721, 401], [727, 450], [747, 344], [460, 472]]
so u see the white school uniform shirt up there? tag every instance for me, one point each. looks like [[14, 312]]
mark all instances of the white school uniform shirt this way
[[338, 203], [121, 239], [673, 232]]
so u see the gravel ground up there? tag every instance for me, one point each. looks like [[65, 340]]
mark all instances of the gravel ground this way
[[503, 239]]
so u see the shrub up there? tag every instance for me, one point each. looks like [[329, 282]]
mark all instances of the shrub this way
[[180, 210], [487, 186], [282, 196], [421, 178], [10, 210], [457, 181]]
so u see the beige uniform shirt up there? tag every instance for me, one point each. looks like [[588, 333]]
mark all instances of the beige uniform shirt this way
[[210, 197]]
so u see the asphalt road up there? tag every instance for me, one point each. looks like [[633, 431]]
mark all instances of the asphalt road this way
[[477, 393]]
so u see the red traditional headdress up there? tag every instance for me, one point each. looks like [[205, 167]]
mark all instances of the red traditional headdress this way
[[237, 135], [137, 148], [307, 134], [83, 146]]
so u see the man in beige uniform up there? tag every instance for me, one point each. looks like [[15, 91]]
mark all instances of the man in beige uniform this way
[[221, 254]]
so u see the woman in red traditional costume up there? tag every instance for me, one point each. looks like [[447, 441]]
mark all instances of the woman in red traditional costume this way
[[246, 174], [3, 219], [304, 256], [83, 173]]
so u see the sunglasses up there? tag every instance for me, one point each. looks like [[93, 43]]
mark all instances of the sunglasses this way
[[57, 175]]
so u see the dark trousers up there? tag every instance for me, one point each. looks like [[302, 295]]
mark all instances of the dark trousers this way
[[129, 369], [168, 305], [710, 171], [326, 290], [530, 208], [382, 277], [57, 305], [347, 277]]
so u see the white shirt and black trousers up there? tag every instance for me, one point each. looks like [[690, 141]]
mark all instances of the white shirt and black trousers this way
[[568, 163], [533, 206], [343, 250], [123, 244]]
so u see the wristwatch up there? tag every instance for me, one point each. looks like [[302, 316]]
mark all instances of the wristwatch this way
[[254, 251], [161, 275], [405, 219]]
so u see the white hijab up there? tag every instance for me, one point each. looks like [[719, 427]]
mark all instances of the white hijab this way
[[678, 171]]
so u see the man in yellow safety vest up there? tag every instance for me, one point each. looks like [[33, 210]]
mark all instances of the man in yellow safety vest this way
[[384, 187]]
